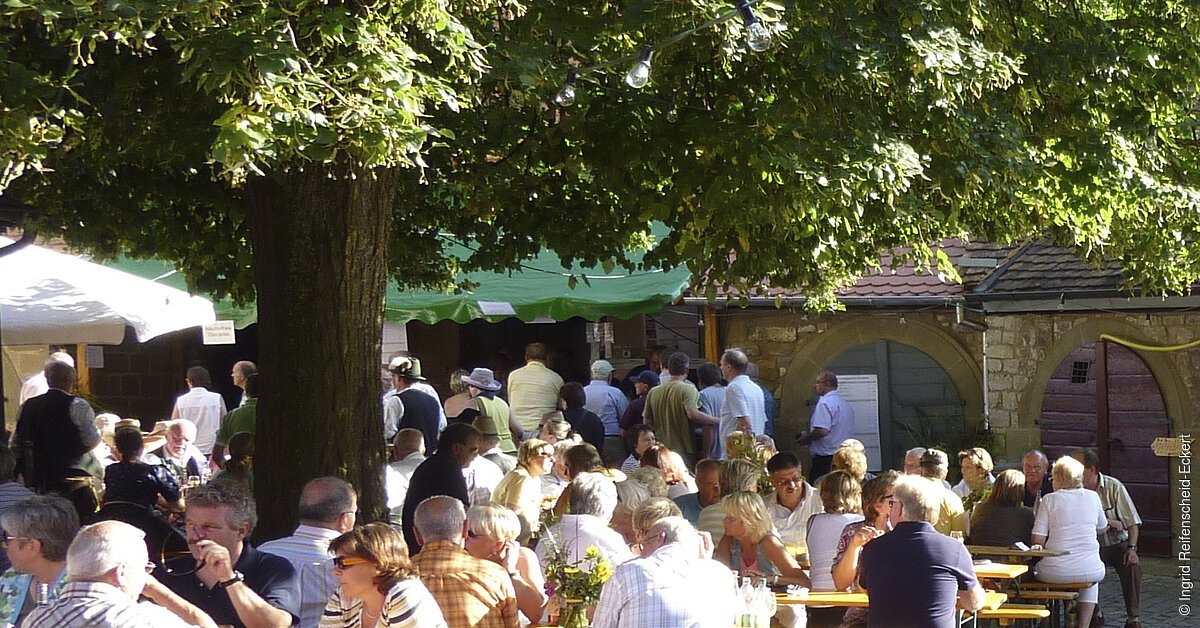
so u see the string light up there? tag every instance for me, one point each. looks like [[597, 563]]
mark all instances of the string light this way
[[639, 74], [566, 96], [758, 39], [758, 36]]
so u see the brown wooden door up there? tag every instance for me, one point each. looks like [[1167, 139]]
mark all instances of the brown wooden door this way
[[1103, 396]]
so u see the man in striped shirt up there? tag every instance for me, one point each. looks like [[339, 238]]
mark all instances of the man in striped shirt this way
[[107, 566]]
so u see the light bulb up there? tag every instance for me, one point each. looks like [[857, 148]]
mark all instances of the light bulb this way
[[566, 96], [758, 36], [639, 74]]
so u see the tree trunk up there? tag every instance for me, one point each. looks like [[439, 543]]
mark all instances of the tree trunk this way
[[320, 265]]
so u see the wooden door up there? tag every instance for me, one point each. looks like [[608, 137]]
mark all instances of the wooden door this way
[[1103, 396]]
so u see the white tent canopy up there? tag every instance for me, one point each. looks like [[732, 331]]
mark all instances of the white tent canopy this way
[[53, 298]]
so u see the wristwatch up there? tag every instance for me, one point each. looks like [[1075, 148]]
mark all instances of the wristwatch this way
[[237, 577], [1132, 547]]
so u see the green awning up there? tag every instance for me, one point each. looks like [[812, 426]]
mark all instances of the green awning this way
[[536, 291]]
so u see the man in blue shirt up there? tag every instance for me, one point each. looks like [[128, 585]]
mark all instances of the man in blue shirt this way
[[607, 402], [916, 576]]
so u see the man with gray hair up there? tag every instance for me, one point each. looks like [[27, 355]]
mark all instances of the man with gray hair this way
[[593, 498], [938, 574], [609, 403], [951, 515], [233, 582], [327, 510], [55, 435], [744, 408], [672, 407], [470, 591], [671, 587], [107, 566], [37, 384], [178, 453]]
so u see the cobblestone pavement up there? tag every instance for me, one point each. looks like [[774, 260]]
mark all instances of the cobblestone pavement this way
[[1160, 597]]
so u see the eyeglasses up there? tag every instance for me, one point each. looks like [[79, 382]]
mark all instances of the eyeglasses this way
[[5, 538], [150, 567], [342, 562], [782, 482], [471, 534]]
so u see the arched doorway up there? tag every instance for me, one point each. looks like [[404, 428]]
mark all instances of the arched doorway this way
[[918, 403], [1103, 396]]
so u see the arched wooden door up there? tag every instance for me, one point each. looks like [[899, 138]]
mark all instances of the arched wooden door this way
[[1103, 396]]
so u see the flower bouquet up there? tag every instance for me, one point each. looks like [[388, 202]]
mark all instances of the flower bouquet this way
[[575, 587]]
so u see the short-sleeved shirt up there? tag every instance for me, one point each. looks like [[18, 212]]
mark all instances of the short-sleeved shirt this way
[[607, 402], [272, 577], [793, 524], [667, 406], [241, 419], [408, 604], [743, 398], [532, 392], [204, 409], [924, 592], [834, 414], [1117, 504], [470, 591]]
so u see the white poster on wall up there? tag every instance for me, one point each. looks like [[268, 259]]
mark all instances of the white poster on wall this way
[[862, 393]]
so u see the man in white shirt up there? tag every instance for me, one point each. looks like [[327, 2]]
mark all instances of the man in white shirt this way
[[593, 498], [327, 510], [203, 408], [793, 501], [743, 408], [36, 384], [672, 587], [832, 422], [408, 451], [609, 403]]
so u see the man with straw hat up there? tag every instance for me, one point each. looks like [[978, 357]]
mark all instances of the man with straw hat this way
[[483, 385]]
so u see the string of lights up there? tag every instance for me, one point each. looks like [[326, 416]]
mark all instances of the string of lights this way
[[758, 39]]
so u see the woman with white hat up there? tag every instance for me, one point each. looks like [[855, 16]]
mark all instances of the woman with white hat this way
[[483, 385]]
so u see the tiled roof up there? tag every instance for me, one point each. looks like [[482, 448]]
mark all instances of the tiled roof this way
[[905, 281], [1040, 266]]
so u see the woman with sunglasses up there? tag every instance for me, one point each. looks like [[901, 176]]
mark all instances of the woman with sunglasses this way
[[521, 490], [876, 508], [377, 584], [492, 535]]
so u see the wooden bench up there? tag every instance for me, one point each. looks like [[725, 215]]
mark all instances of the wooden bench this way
[[1057, 586], [1055, 600], [1009, 613]]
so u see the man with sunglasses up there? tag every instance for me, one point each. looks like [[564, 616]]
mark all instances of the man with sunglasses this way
[[234, 583], [793, 502]]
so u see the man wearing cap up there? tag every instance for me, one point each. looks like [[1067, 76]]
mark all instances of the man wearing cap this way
[[609, 403], [406, 406], [482, 386], [642, 384], [533, 388]]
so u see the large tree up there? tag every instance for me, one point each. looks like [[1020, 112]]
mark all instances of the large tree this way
[[326, 145]]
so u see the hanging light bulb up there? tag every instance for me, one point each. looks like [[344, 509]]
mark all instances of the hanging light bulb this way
[[639, 74], [566, 96], [758, 36]]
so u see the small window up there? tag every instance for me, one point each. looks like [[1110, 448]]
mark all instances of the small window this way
[[1079, 372]]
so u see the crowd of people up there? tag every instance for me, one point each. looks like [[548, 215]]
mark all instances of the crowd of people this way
[[492, 487]]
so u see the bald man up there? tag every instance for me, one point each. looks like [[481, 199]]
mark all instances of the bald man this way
[[327, 510], [408, 452]]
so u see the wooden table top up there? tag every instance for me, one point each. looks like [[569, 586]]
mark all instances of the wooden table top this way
[[1008, 552], [992, 599], [1000, 571]]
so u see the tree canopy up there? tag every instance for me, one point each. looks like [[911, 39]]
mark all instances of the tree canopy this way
[[865, 127]]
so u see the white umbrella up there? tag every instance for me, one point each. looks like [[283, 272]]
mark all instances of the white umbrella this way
[[52, 298]]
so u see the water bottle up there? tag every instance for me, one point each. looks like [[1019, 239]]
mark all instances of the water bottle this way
[[745, 601]]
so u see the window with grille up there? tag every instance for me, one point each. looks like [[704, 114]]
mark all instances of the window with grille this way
[[1079, 372]]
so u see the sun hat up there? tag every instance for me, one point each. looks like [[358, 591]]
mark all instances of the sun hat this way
[[483, 379]]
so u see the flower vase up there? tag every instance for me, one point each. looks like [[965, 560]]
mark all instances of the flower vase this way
[[574, 614]]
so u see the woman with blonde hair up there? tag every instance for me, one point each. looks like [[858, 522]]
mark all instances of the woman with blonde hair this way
[[851, 460], [521, 490], [554, 428], [492, 535], [460, 401], [841, 497], [1068, 520], [377, 583], [751, 546]]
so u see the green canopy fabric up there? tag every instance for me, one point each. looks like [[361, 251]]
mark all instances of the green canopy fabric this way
[[536, 291]]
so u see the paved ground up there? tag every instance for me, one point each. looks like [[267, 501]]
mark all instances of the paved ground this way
[[1160, 597]]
